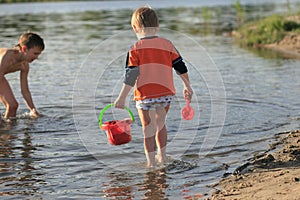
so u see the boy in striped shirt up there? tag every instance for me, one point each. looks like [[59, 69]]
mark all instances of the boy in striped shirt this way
[[149, 67]]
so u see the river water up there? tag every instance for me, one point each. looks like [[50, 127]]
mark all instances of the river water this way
[[242, 98]]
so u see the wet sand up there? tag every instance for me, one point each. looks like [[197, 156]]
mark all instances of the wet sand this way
[[273, 175]]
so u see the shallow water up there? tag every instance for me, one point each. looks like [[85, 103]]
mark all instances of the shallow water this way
[[242, 99]]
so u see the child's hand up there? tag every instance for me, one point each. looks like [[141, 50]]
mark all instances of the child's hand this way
[[120, 103], [34, 113], [188, 93]]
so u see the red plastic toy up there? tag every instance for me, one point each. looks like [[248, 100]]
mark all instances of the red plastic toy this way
[[187, 112], [117, 131]]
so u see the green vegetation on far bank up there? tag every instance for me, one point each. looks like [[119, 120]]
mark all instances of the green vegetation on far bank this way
[[267, 31]]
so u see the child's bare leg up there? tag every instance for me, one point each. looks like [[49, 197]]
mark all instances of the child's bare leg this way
[[8, 99], [161, 142], [161, 135], [149, 128]]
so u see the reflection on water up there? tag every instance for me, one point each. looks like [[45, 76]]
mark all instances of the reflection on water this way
[[46, 158], [153, 186], [17, 167], [270, 54]]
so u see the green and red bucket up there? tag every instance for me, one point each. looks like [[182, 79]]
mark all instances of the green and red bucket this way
[[117, 131]]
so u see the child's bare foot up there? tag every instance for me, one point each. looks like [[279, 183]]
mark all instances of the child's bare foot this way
[[150, 166], [150, 159], [160, 159]]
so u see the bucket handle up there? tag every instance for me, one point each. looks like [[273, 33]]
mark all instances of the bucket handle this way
[[108, 106]]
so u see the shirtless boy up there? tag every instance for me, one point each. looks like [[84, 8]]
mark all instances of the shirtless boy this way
[[15, 59]]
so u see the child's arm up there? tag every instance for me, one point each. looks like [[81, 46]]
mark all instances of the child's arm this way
[[131, 75], [187, 91], [25, 90], [182, 71], [121, 100]]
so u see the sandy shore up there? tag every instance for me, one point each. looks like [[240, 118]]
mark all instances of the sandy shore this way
[[274, 175], [289, 46]]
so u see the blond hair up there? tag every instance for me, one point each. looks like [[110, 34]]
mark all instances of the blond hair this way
[[145, 17]]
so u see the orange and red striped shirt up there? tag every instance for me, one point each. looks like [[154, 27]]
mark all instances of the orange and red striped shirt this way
[[154, 57]]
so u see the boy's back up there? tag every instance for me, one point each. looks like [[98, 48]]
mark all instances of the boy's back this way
[[153, 56], [10, 60]]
